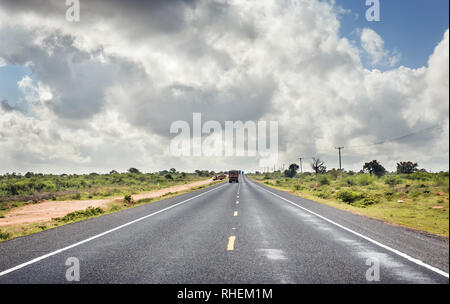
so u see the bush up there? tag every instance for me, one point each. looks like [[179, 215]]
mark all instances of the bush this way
[[389, 194], [369, 201], [443, 183], [392, 181], [323, 180], [364, 180], [76, 196], [350, 181], [418, 175], [127, 199], [349, 196], [4, 235], [89, 212], [324, 194]]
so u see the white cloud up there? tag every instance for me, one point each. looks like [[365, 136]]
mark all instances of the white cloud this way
[[373, 44], [103, 95]]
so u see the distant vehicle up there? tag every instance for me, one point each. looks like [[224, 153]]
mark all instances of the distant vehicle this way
[[219, 177], [233, 176]]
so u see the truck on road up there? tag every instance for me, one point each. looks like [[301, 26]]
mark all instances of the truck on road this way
[[233, 176]]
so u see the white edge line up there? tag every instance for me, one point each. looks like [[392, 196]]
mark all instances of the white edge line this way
[[404, 255], [99, 235]]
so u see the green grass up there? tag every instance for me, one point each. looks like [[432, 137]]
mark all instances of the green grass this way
[[406, 200]]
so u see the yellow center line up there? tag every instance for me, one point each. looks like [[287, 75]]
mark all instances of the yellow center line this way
[[235, 213], [231, 240]]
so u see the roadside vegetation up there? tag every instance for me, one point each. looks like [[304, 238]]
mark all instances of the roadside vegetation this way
[[17, 190], [409, 197], [10, 232]]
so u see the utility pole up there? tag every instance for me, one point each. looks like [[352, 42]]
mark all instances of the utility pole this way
[[301, 165], [340, 162]]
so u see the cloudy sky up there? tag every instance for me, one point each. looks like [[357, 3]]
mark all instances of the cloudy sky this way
[[101, 94]]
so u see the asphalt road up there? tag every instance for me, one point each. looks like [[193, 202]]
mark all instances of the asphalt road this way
[[228, 233]]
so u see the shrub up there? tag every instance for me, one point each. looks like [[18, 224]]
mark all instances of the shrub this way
[[298, 187], [389, 194], [76, 196], [392, 181], [127, 199], [364, 180], [349, 196], [368, 201], [418, 175], [350, 181], [323, 180], [4, 235], [442, 182], [89, 212], [324, 194]]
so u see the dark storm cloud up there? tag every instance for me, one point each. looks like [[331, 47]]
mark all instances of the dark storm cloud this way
[[76, 78], [137, 18]]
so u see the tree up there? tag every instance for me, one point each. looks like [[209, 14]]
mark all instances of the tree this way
[[318, 166], [134, 170], [406, 167], [173, 170], [113, 172], [374, 167], [292, 171]]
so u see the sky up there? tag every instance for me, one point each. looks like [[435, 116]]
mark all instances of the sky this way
[[102, 93], [413, 27]]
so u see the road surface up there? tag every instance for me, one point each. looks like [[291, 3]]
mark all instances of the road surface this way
[[228, 233]]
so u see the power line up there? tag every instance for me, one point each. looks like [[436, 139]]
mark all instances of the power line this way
[[398, 138]]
